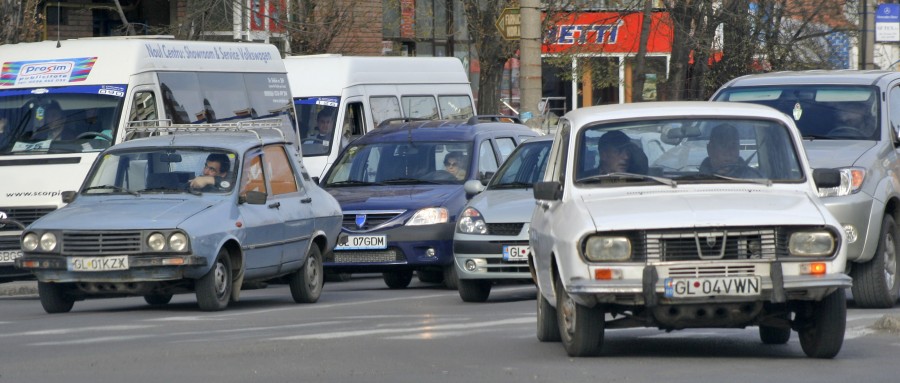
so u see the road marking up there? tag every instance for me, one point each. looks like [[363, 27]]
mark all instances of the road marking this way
[[421, 329], [64, 331]]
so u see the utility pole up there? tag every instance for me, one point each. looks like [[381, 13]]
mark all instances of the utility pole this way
[[530, 63]]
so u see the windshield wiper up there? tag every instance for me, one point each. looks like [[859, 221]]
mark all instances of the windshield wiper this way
[[816, 137], [398, 181], [352, 183], [627, 176], [702, 176], [512, 185], [113, 187]]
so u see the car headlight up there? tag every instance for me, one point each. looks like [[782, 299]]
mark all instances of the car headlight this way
[[429, 216], [156, 241], [811, 244], [851, 181], [30, 242], [471, 222], [607, 248], [48, 241], [178, 242]]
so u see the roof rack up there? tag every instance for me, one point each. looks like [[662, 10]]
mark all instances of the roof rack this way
[[402, 119], [247, 126], [493, 118]]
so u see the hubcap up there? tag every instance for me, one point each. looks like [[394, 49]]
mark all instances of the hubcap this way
[[221, 279], [890, 261], [312, 272], [568, 311]]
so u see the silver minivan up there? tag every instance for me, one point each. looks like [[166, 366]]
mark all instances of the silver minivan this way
[[849, 120]]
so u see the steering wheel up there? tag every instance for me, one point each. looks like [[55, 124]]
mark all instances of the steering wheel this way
[[441, 175], [93, 135], [845, 131], [738, 170]]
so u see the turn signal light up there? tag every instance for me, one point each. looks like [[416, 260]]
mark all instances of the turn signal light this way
[[818, 268], [31, 264], [173, 261], [607, 274]]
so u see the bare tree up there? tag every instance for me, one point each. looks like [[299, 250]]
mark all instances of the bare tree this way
[[493, 51], [20, 21]]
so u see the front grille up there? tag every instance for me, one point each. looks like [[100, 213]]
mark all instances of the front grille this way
[[101, 243], [25, 215], [504, 228], [372, 219], [724, 270], [369, 256], [498, 265], [9, 242], [712, 244]]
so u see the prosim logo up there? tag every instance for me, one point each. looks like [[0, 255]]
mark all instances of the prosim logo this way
[[45, 68]]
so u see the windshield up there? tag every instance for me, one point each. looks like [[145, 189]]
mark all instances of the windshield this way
[[72, 119], [316, 117], [402, 163], [524, 167], [687, 150], [820, 112], [163, 170]]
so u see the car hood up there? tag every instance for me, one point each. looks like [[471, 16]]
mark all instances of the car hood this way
[[672, 209], [505, 205], [127, 213], [406, 197], [835, 153]]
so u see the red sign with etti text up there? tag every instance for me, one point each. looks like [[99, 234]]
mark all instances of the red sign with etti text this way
[[607, 32]]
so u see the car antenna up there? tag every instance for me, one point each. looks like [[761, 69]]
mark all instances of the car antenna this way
[[58, 45]]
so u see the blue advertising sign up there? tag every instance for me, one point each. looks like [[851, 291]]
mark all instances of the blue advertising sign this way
[[887, 23]]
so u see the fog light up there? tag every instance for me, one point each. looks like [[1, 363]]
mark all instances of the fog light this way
[[852, 233], [470, 265], [818, 268], [607, 274], [430, 252]]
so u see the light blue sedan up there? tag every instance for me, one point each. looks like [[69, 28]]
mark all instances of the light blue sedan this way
[[199, 212]]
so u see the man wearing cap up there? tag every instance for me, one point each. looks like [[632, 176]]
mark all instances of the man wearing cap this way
[[619, 155], [724, 150]]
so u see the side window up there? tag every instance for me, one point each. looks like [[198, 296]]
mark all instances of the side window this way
[[556, 168], [354, 121], [894, 112], [279, 169], [252, 175], [487, 161], [143, 107], [456, 107], [383, 108], [506, 145], [224, 97], [420, 107], [181, 97]]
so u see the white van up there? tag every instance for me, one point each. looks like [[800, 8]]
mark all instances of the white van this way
[[352, 95], [62, 103]]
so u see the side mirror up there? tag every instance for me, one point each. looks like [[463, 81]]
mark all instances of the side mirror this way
[[315, 180], [486, 178], [253, 198], [68, 196], [473, 187], [827, 178], [550, 191]]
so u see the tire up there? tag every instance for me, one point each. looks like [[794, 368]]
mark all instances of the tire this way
[[451, 280], [158, 299], [306, 284], [580, 328], [474, 290], [875, 283], [397, 279], [823, 332], [776, 335], [55, 298], [214, 289], [430, 276], [547, 323]]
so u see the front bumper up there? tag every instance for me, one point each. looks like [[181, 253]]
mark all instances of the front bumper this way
[[55, 268], [487, 252], [407, 248], [864, 214]]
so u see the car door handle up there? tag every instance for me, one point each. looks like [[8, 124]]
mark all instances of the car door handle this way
[[306, 200], [275, 205]]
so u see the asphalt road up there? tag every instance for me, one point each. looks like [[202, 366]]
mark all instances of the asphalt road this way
[[362, 332]]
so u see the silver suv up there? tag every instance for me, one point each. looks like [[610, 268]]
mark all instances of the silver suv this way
[[849, 120]]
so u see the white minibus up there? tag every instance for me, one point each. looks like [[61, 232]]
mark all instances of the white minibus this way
[[338, 98], [62, 103]]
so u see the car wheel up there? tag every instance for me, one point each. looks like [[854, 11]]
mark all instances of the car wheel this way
[[451, 280], [580, 328], [430, 276], [875, 283], [547, 324], [158, 299], [306, 284], [776, 335], [214, 289], [822, 333], [397, 279], [55, 297], [474, 290]]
